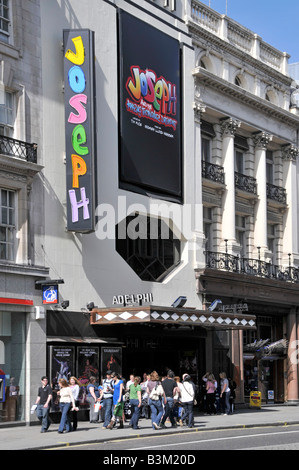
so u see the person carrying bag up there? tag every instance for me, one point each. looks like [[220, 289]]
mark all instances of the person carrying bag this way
[[156, 394], [187, 399]]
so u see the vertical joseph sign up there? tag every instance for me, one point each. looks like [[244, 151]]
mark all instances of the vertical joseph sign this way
[[79, 77]]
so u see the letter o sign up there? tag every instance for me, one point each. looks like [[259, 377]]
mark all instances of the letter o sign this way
[[77, 79]]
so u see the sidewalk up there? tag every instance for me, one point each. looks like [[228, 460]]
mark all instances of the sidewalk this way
[[29, 437]]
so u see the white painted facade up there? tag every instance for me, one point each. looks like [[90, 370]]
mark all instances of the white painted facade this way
[[89, 264]]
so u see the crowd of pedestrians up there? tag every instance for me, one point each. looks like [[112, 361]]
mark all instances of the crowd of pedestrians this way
[[163, 399]]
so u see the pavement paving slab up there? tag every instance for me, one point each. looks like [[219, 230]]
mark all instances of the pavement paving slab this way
[[30, 438]]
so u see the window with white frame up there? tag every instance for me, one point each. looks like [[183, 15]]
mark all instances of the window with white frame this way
[[4, 21], [239, 162], [207, 227], [7, 115], [241, 233], [206, 149], [7, 224], [269, 167], [271, 241]]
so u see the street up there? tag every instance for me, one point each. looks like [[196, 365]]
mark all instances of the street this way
[[182, 444]]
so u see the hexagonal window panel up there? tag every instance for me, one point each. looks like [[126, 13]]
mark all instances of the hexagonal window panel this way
[[148, 245]]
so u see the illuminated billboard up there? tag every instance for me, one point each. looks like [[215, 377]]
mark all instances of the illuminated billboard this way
[[150, 110], [79, 94]]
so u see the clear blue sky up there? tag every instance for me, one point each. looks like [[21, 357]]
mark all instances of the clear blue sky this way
[[276, 21]]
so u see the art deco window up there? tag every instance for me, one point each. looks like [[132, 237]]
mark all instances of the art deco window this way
[[148, 245]]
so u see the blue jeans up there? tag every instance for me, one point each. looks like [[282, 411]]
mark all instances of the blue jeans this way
[[188, 413], [135, 413], [43, 415], [168, 411], [65, 418], [225, 403], [107, 405], [157, 410]]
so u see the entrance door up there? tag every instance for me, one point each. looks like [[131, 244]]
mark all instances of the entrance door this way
[[181, 355]]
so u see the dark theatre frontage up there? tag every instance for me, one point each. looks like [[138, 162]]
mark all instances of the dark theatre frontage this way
[[141, 339]]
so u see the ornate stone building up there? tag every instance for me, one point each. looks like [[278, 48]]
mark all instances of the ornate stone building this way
[[246, 151]]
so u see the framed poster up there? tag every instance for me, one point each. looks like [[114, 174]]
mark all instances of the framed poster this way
[[87, 363], [111, 359], [150, 160], [62, 364]]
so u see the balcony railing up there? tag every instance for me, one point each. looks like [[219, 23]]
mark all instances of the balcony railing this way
[[245, 183], [250, 266], [213, 172], [276, 193], [237, 35], [17, 148]]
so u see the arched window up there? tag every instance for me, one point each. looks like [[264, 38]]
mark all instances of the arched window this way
[[239, 81]]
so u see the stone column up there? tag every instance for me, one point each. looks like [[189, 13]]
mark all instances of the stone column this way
[[292, 372], [229, 127], [261, 142], [199, 237], [290, 233]]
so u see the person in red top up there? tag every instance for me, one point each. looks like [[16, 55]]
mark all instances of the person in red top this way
[[210, 396]]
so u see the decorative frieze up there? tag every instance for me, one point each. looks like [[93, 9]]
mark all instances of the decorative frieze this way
[[184, 316]]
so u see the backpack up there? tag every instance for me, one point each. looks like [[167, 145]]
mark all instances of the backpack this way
[[157, 392]]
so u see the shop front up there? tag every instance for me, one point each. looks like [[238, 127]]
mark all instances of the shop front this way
[[12, 366], [264, 366]]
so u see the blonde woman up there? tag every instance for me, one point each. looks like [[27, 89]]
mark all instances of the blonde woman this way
[[75, 388], [66, 402], [225, 393]]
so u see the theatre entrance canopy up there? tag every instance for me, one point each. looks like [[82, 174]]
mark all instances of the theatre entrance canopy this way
[[228, 318]]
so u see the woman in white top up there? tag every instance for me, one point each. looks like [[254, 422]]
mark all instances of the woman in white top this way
[[75, 388], [65, 403], [225, 393], [187, 399]]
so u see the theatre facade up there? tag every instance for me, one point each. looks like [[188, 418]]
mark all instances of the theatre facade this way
[[174, 195], [165, 203]]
